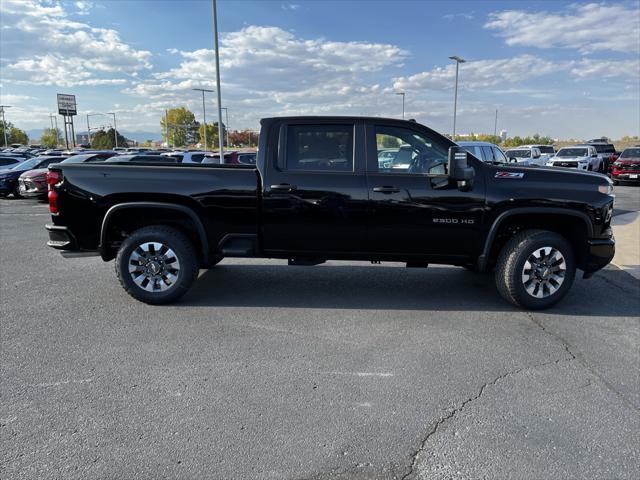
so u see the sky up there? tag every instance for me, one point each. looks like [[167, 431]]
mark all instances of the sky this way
[[563, 69]]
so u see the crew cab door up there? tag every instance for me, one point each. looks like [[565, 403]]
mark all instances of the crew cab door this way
[[417, 211], [314, 189]]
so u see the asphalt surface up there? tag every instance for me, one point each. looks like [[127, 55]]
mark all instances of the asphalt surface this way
[[343, 370]]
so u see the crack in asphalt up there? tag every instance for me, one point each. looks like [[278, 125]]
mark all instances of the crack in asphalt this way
[[580, 359], [457, 410]]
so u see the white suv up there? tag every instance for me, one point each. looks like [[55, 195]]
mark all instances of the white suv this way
[[584, 157], [525, 155]]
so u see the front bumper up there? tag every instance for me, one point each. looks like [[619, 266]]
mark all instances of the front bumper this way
[[600, 252], [625, 175], [28, 188]]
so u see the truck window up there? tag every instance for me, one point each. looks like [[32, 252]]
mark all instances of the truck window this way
[[196, 157], [488, 154], [402, 150], [320, 148]]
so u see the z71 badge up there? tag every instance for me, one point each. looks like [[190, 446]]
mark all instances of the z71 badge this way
[[509, 175]]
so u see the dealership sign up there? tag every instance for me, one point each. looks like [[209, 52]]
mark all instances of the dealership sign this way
[[67, 104]]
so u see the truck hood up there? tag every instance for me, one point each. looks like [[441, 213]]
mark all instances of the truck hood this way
[[549, 175]]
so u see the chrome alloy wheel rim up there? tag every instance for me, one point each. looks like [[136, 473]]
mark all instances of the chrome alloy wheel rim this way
[[544, 272], [154, 267]]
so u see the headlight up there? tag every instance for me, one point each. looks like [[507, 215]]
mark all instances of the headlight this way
[[606, 189]]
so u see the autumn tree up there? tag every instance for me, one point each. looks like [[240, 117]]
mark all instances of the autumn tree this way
[[51, 138], [212, 136], [182, 128], [14, 135], [243, 138]]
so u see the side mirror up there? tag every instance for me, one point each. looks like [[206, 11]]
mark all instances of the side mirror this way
[[459, 170]]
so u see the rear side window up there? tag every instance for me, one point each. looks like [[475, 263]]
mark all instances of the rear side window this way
[[320, 148], [488, 154], [196, 157]]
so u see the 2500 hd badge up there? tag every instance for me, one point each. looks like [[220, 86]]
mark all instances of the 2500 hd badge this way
[[462, 221]]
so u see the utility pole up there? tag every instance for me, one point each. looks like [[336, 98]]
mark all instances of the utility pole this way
[[4, 124], [215, 34], [403, 95], [458, 61], [88, 130], [204, 114], [495, 124]]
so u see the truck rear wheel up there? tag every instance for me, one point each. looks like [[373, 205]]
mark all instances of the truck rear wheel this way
[[535, 269], [156, 264]]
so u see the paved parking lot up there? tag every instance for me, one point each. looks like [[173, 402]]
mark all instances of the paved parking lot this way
[[336, 371]]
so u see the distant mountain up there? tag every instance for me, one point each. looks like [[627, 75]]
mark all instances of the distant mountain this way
[[138, 136]]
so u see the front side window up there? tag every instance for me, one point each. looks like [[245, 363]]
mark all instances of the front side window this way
[[196, 157], [320, 148], [401, 150], [498, 155]]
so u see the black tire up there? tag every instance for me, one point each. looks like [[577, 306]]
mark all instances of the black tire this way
[[510, 269], [16, 191], [183, 251]]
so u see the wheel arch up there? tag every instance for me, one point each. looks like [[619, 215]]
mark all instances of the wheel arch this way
[[177, 214], [574, 225]]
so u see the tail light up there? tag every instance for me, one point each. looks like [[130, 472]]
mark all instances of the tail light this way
[[53, 178]]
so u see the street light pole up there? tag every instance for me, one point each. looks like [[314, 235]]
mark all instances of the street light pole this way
[[4, 124], [403, 94], [204, 113], [495, 125], [215, 34], [458, 61]]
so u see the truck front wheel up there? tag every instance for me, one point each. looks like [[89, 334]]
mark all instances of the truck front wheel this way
[[156, 264], [535, 269]]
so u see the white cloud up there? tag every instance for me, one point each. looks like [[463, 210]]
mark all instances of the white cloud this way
[[586, 27], [479, 74], [626, 69], [39, 35]]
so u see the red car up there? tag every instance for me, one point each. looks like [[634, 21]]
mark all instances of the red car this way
[[33, 183], [627, 167]]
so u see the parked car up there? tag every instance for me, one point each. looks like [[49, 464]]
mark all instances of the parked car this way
[[580, 157], [33, 183], [546, 151], [9, 178], [627, 167], [485, 151], [318, 193], [141, 158], [606, 152], [190, 156], [9, 161], [232, 157], [526, 156]]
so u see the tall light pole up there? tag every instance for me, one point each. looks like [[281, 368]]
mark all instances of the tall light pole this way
[[495, 125], [215, 34], [115, 128], [204, 113], [4, 124], [226, 125], [403, 94], [458, 61]]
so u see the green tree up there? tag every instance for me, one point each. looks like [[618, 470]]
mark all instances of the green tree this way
[[51, 138], [14, 135], [212, 135], [104, 140], [182, 127]]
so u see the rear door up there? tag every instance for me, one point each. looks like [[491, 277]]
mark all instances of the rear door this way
[[315, 192], [418, 212]]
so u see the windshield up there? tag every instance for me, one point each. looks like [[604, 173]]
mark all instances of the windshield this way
[[25, 165], [518, 153], [573, 152], [631, 153], [78, 158], [605, 148]]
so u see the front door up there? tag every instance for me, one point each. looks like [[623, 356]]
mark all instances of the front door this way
[[315, 192], [415, 210]]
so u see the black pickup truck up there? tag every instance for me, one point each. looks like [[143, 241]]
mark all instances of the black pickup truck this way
[[320, 191]]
